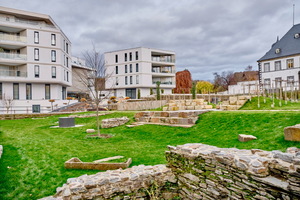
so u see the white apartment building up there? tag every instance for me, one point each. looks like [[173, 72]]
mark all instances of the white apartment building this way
[[130, 70], [280, 66], [35, 62]]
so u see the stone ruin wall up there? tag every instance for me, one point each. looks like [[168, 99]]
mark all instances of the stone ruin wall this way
[[197, 171]]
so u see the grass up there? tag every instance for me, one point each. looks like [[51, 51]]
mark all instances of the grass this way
[[266, 105], [32, 164]]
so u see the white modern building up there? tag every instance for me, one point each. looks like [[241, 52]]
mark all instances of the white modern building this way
[[139, 69], [35, 62], [280, 66]]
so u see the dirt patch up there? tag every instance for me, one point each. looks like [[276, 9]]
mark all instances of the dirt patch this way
[[99, 136]]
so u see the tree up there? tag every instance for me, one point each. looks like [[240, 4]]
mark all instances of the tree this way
[[139, 94], [7, 102], [204, 87], [193, 90], [249, 68], [94, 79], [221, 81], [158, 90]]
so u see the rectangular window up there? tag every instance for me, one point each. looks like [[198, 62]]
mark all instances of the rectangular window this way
[[116, 58], [117, 80], [16, 91], [125, 57], [136, 55], [67, 76], [266, 67], [36, 54], [130, 68], [289, 63], [0, 90], [36, 108], [137, 67], [53, 71], [290, 81], [64, 93], [47, 91], [67, 47], [67, 61], [267, 82], [130, 78], [277, 65], [28, 91], [126, 69], [36, 37], [53, 55], [117, 70], [64, 45], [130, 56], [137, 79], [126, 81], [53, 39], [36, 71], [278, 82]]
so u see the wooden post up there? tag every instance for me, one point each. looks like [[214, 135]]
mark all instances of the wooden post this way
[[273, 93], [285, 95]]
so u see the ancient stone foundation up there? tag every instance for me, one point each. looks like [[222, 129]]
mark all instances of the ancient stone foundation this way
[[113, 122], [197, 171]]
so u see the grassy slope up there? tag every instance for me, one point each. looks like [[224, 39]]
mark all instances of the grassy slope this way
[[32, 165], [252, 105]]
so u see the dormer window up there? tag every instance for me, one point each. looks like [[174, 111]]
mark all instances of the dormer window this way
[[297, 35], [278, 50]]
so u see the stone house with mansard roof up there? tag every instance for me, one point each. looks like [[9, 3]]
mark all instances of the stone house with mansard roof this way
[[280, 66]]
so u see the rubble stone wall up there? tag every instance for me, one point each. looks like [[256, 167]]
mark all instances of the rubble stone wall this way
[[197, 171], [208, 172], [141, 105]]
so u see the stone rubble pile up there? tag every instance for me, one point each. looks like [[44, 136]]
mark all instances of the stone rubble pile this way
[[168, 117], [210, 172], [190, 104], [114, 122], [138, 182], [234, 103]]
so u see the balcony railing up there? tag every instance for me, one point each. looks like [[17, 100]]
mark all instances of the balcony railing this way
[[29, 22], [163, 59], [164, 82], [12, 73], [13, 56], [163, 71], [14, 38]]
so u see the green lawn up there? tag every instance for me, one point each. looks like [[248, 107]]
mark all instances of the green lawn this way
[[265, 104], [32, 165]]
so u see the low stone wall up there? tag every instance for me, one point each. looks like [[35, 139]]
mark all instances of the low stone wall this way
[[23, 116], [197, 171], [208, 172], [1, 150], [138, 182], [190, 104], [141, 105], [114, 122], [234, 103]]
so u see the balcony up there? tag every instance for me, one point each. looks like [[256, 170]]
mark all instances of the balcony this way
[[13, 56], [39, 24], [12, 73], [164, 83], [168, 59], [14, 38], [163, 70]]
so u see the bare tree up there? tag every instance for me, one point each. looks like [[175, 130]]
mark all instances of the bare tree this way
[[94, 78], [221, 81], [7, 102]]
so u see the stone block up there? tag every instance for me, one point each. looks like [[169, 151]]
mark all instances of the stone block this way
[[245, 138], [208, 107], [224, 103], [292, 133], [90, 131], [199, 107], [190, 108], [165, 108], [174, 108], [66, 122], [241, 102]]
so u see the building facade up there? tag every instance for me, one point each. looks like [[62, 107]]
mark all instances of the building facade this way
[[35, 62], [137, 70], [279, 68]]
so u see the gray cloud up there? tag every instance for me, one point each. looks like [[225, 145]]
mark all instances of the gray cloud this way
[[207, 36]]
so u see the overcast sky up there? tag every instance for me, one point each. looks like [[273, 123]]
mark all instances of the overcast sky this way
[[207, 36]]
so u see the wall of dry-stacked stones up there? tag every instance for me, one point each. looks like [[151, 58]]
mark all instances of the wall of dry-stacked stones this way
[[207, 172], [197, 171]]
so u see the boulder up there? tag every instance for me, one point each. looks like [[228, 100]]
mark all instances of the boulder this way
[[292, 133], [245, 138], [90, 131]]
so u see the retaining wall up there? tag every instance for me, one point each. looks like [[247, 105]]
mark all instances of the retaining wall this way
[[141, 105]]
